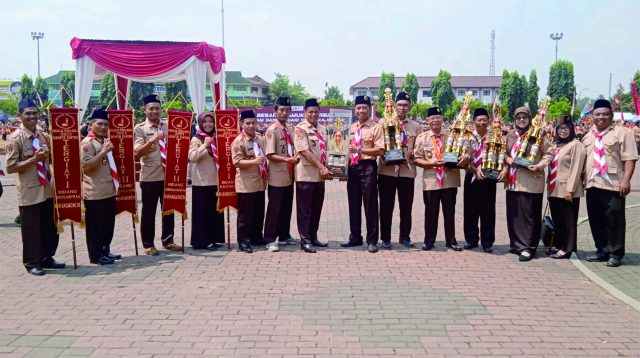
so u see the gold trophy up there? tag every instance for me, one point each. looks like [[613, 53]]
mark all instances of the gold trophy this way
[[493, 156], [535, 136], [458, 138], [393, 153], [337, 153]]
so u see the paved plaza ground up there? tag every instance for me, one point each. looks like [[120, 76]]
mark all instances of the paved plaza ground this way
[[336, 303]]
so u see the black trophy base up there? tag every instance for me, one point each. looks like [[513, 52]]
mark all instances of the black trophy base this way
[[491, 174], [450, 159], [338, 171], [394, 157], [523, 162]]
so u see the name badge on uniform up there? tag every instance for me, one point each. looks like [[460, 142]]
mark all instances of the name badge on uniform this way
[[609, 150]]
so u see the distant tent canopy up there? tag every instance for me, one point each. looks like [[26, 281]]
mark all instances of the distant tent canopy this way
[[149, 62]]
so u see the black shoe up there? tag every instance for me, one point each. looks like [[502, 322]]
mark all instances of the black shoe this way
[[524, 258], [408, 244], [212, 247], [17, 220], [598, 257], [35, 270], [470, 246], [487, 249], [613, 262], [308, 248], [566, 255], [386, 245], [246, 248], [318, 243], [103, 260], [53, 264], [427, 247], [113, 256], [350, 243], [372, 248], [455, 247]]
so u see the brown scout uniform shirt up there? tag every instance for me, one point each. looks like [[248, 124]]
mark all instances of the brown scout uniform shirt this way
[[412, 129], [306, 139], [204, 171], [372, 137], [474, 139], [570, 167], [619, 146], [425, 149], [98, 184], [20, 148], [526, 180], [276, 143], [151, 163], [248, 180]]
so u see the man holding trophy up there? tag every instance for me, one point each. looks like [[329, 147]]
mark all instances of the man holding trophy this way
[[399, 135], [528, 153]]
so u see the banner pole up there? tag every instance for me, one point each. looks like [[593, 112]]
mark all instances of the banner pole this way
[[182, 218], [73, 247], [135, 236], [228, 230]]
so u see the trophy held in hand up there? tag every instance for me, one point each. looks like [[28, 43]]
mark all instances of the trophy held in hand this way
[[394, 153], [531, 145], [458, 139]]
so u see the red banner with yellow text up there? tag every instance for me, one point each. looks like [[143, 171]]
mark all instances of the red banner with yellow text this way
[[227, 130], [67, 173], [121, 125], [175, 178]]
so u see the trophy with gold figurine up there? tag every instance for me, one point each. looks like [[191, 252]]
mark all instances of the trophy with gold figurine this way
[[495, 150], [393, 153], [337, 148], [458, 138], [531, 145]]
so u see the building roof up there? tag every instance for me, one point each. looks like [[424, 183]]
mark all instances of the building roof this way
[[425, 82], [258, 81], [235, 77]]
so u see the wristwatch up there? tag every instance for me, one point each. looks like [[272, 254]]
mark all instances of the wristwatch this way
[[359, 150]]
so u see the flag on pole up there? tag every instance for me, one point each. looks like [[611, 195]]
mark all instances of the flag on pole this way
[[617, 102], [636, 100], [585, 109]]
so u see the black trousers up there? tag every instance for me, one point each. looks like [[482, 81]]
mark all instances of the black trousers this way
[[479, 204], [152, 192], [250, 218], [387, 187], [39, 235], [309, 200], [100, 220], [277, 222], [362, 187], [432, 200], [207, 224], [524, 220], [565, 221], [607, 221]]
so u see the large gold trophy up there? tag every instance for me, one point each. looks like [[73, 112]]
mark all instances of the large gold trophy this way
[[458, 138], [337, 153], [393, 153], [494, 154], [529, 148]]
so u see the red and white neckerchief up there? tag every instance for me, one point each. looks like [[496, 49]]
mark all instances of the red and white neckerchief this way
[[214, 149], [477, 155], [44, 174], [437, 146], [357, 139], [289, 140], [599, 160], [323, 148], [112, 165], [162, 145], [257, 150], [513, 171], [553, 170]]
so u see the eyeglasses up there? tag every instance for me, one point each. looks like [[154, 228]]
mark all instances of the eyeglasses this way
[[563, 129]]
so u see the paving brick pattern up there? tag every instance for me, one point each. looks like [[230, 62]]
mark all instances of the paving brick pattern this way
[[336, 303]]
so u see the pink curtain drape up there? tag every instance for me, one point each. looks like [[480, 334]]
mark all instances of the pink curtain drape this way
[[143, 59]]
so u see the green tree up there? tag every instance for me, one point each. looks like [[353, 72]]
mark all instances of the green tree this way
[[10, 106], [411, 86], [42, 89], [457, 105], [68, 81], [625, 97], [387, 80], [108, 91], [561, 81], [298, 94], [419, 110], [636, 79], [280, 87], [533, 92], [557, 108], [171, 94], [27, 90], [513, 92], [137, 92], [331, 102], [441, 91], [333, 93], [243, 103]]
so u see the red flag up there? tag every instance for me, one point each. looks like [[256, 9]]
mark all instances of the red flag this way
[[618, 101], [121, 124], [226, 131], [175, 181], [636, 100]]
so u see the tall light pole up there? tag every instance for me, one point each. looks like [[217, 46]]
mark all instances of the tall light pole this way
[[556, 37], [37, 36], [222, 15]]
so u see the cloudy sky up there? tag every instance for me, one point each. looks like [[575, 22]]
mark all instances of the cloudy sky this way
[[342, 42]]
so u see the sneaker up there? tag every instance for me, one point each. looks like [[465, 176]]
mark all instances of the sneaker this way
[[151, 251], [273, 247], [290, 241], [173, 247]]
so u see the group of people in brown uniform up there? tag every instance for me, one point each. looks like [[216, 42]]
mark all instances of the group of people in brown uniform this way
[[602, 163]]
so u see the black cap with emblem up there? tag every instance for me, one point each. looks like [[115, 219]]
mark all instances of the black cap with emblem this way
[[282, 101], [311, 102], [249, 113], [152, 98], [99, 113], [403, 96], [363, 100], [480, 111], [601, 103], [434, 111], [26, 103]]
